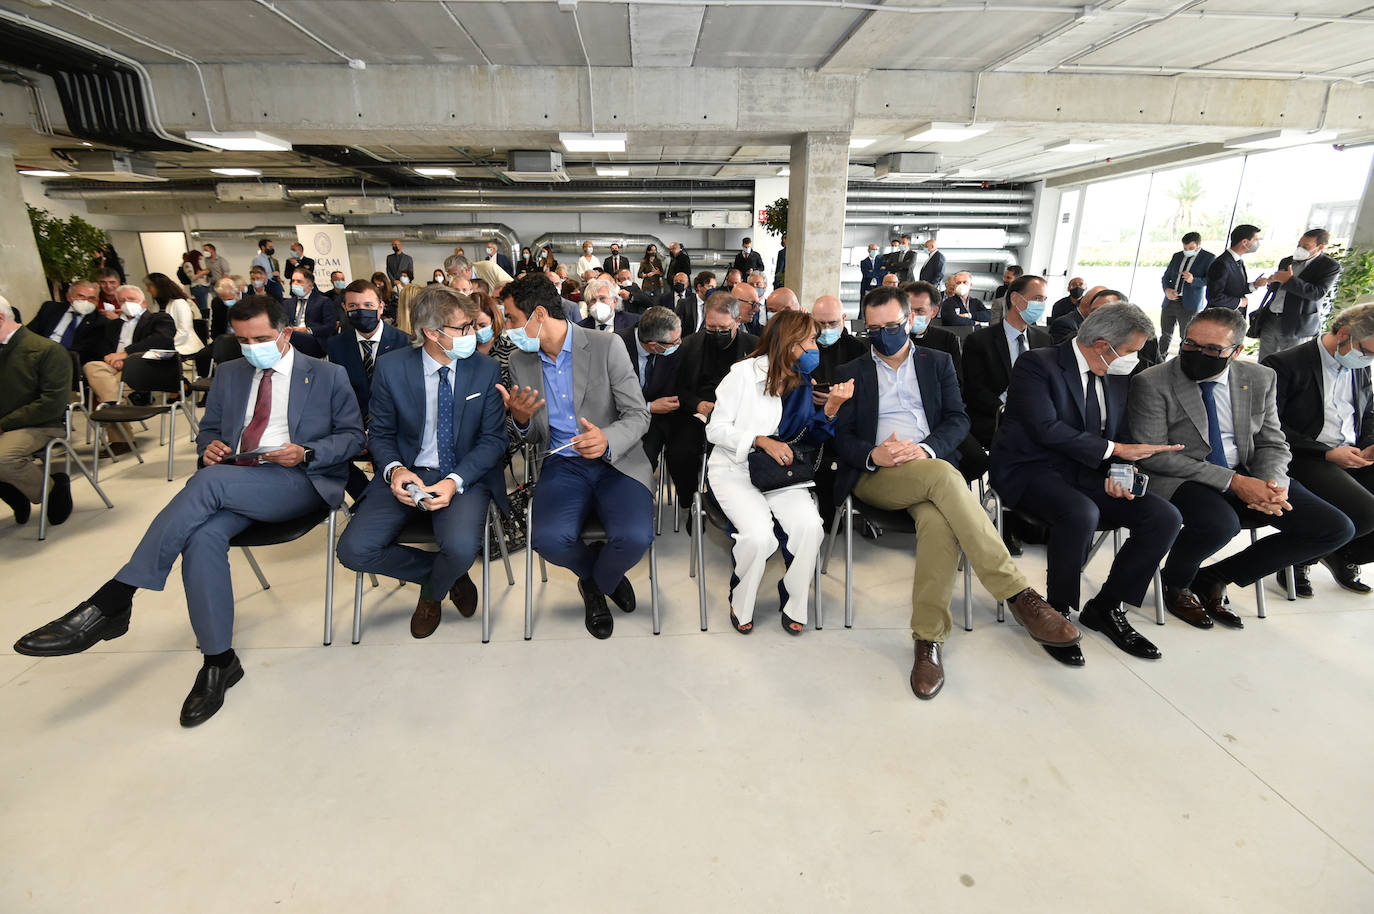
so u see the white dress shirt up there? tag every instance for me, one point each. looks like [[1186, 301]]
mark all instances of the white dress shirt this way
[[1225, 418], [375, 339], [1338, 402], [126, 333], [900, 408], [278, 432], [1084, 374], [1276, 306]]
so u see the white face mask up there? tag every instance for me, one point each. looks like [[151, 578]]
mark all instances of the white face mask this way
[[961, 290], [587, 251], [206, 255], [873, 252], [1301, 254], [132, 310], [601, 312], [83, 307], [1124, 364]]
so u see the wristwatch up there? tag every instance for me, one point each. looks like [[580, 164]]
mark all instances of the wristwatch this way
[[386, 477], [309, 456]]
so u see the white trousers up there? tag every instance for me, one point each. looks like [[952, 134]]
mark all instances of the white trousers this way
[[752, 513]]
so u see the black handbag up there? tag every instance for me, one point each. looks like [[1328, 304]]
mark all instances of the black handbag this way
[[767, 474]]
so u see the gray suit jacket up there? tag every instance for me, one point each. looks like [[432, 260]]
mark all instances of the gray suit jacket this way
[[605, 392], [1166, 408]]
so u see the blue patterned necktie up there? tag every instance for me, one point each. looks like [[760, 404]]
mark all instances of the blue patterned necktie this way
[[1209, 400], [443, 437], [70, 333]]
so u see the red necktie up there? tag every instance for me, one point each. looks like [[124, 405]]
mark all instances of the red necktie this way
[[262, 411]]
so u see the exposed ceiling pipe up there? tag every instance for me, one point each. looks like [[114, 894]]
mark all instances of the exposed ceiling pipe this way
[[938, 196], [938, 221], [426, 233], [968, 209]]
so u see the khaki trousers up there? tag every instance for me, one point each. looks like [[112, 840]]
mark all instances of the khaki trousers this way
[[17, 466], [104, 383], [948, 518]]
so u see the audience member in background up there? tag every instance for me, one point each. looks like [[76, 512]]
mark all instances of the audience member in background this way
[[705, 359], [1327, 416], [1009, 275], [35, 386], [491, 335], [679, 261], [136, 332], [901, 260], [495, 256], [890, 281], [438, 278], [651, 271], [437, 423], [604, 305], [933, 270], [191, 275], [1067, 325], [1064, 427], [526, 264], [74, 324], [1234, 465], [677, 293], [1184, 281], [298, 260], [398, 262], [990, 353], [1069, 302], [457, 266], [760, 284], [780, 265], [615, 262], [751, 310], [263, 258], [1291, 311], [898, 443], [835, 346], [871, 270], [212, 261], [570, 290], [460, 282], [489, 272], [310, 311], [263, 284], [961, 309], [300, 412], [924, 301], [227, 294], [547, 262], [587, 262], [337, 284], [689, 303], [653, 346], [632, 298], [171, 298], [1228, 282], [405, 301], [747, 260], [766, 405], [590, 427], [109, 280]]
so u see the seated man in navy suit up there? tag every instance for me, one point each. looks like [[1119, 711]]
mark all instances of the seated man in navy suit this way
[[301, 418], [898, 443], [653, 347], [1064, 425], [76, 323], [605, 307], [357, 348], [438, 422], [310, 311]]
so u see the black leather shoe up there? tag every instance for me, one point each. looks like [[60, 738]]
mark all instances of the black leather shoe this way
[[1013, 543], [18, 502], [60, 498], [73, 633], [1069, 655], [623, 596], [207, 695], [1110, 620], [1302, 584], [1347, 574], [599, 621]]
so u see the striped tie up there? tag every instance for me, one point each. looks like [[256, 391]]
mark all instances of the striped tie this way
[[367, 359]]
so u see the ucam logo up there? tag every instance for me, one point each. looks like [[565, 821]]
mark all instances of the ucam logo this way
[[323, 243]]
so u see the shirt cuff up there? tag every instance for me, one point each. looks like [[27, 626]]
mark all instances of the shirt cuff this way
[[389, 467], [927, 448], [1111, 446], [458, 480]]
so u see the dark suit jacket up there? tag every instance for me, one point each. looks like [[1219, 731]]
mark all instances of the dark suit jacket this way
[[689, 311], [1303, 295], [663, 375], [320, 315], [154, 330], [88, 342], [694, 383], [1227, 282], [1066, 326], [639, 300], [954, 313], [479, 419], [619, 321], [933, 270], [1301, 396], [1191, 292], [344, 350], [872, 271], [946, 342], [1044, 426], [843, 351], [614, 263], [754, 327], [680, 263], [987, 372], [1062, 307], [753, 263], [396, 264], [901, 263], [856, 425], [321, 414]]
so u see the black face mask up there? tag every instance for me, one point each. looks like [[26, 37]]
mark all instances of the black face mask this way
[[1075, 291], [364, 320], [1199, 366], [270, 251], [396, 248], [722, 338], [679, 287]]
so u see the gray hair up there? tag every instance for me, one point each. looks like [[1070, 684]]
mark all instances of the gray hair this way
[[656, 324], [9, 309], [433, 306], [457, 263], [126, 288], [1116, 323], [1226, 317], [1358, 318], [756, 275], [595, 286], [724, 303]]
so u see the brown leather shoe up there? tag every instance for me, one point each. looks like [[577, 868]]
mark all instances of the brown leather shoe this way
[[426, 618], [1042, 621], [1211, 594], [927, 673], [463, 593], [1184, 604]]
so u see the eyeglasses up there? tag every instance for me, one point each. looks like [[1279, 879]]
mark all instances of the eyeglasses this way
[[1189, 345], [870, 331], [462, 331]]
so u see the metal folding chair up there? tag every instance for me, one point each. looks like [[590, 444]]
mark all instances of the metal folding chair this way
[[149, 376], [69, 455], [273, 534]]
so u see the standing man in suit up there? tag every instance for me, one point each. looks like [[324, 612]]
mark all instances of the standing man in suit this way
[[961, 309], [263, 259], [1234, 464], [1290, 313], [438, 422], [35, 385], [871, 271], [933, 270], [1065, 424], [310, 309], [591, 402], [1228, 283], [653, 345], [898, 443], [780, 269], [1184, 281], [494, 254], [679, 261], [1327, 417], [398, 262], [902, 260], [690, 305], [747, 260], [605, 307], [616, 262], [75, 323], [678, 288], [300, 415], [990, 353], [298, 260]]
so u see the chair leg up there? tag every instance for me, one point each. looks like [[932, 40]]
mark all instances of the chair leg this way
[[329, 577], [830, 542], [43, 504], [171, 416], [543, 571], [358, 606], [1159, 599], [529, 571], [501, 542], [653, 585], [658, 496], [375, 582], [486, 576], [968, 594], [1259, 585], [693, 518], [73, 457], [820, 603], [698, 560], [1292, 584], [848, 563], [253, 563], [999, 517], [677, 510]]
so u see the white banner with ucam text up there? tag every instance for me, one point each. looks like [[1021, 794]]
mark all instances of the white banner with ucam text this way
[[328, 247]]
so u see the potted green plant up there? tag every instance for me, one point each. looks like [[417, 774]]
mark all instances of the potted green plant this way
[[66, 247], [775, 217], [1357, 275]]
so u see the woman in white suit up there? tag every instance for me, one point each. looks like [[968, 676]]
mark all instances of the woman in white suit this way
[[764, 403], [172, 298]]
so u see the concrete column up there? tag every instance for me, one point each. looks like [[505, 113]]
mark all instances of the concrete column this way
[[1362, 236], [815, 217], [21, 270]]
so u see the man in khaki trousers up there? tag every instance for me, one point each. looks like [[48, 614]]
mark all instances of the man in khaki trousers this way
[[35, 383], [136, 331]]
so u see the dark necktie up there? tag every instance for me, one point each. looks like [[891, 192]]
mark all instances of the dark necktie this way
[[1355, 400], [367, 358], [70, 333], [1020, 347], [1092, 411], [443, 435], [262, 411], [1209, 401], [648, 371]]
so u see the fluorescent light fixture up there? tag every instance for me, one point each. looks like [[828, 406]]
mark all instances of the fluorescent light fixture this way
[[784, 171], [943, 132], [860, 142], [238, 172], [239, 141], [1073, 146], [607, 171], [592, 142], [43, 173], [1281, 139], [434, 171]]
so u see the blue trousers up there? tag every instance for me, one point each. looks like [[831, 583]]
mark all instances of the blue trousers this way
[[569, 490], [368, 543], [217, 503]]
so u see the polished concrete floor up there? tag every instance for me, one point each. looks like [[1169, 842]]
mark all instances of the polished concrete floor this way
[[687, 772]]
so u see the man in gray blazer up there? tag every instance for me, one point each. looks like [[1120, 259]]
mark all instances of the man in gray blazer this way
[[301, 418], [577, 397], [1231, 474]]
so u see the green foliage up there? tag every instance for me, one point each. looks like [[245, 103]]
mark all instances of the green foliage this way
[[66, 246], [775, 217], [1357, 274]]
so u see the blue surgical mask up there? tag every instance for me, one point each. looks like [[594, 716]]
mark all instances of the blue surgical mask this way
[[671, 349], [340, 284], [888, 341], [484, 334], [1034, 310], [829, 336], [522, 340], [229, 302], [1354, 359], [919, 322], [809, 361], [262, 355], [298, 290], [463, 346]]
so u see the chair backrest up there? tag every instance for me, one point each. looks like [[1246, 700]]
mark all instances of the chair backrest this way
[[226, 348], [152, 375], [961, 332]]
